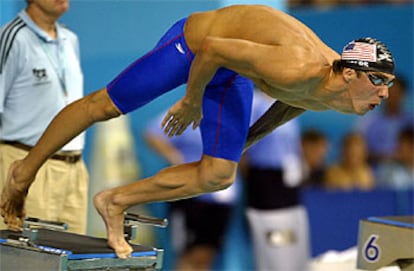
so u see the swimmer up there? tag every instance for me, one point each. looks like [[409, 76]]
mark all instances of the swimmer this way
[[219, 54]]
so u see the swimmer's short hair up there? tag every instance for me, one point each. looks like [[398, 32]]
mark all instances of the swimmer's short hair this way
[[337, 66]]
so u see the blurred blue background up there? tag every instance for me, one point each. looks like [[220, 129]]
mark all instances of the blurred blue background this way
[[114, 33]]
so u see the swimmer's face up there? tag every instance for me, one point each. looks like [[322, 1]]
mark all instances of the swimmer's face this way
[[368, 89]]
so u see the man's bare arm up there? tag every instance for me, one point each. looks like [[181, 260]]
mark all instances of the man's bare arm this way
[[278, 114]]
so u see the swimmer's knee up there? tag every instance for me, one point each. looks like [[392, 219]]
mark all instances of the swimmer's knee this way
[[216, 174]]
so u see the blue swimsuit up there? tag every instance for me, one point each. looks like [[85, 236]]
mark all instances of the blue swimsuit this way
[[226, 103]]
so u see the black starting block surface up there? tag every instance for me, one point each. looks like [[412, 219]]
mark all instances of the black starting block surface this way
[[76, 246], [51, 250]]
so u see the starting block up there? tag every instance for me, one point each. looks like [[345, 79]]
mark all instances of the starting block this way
[[385, 241], [45, 245]]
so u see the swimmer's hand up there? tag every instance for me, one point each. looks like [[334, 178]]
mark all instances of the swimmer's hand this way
[[181, 115]]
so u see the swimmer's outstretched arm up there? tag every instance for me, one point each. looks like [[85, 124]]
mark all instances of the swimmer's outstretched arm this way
[[277, 114]]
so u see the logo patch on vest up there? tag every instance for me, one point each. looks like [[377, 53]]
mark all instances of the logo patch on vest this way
[[40, 75]]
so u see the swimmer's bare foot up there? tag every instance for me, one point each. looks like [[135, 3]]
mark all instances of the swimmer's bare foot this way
[[13, 197], [113, 216]]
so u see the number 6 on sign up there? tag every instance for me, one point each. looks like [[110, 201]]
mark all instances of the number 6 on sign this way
[[372, 250]]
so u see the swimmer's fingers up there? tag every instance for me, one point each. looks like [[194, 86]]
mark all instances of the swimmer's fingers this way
[[172, 125], [180, 129], [178, 126], [173, 118], [187, 122], [175, 126], [167, 123], [175, 129], [196, 123], [179, 117]]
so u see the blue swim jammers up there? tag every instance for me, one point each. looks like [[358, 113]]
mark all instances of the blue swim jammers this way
[[226, 103]]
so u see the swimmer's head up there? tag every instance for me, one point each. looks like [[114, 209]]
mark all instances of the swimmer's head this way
[[368, 54]]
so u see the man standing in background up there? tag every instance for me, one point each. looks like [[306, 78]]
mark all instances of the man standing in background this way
[[40, 74], [272, 172]]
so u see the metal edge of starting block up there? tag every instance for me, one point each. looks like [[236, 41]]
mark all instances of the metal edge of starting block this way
[[18, 255], [15, 249], [141, 262], [58, 260]]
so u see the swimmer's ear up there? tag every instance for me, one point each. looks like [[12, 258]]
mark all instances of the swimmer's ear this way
[[348, 74]]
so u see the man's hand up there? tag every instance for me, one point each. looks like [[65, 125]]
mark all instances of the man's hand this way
[[13, 197], [180, 116]]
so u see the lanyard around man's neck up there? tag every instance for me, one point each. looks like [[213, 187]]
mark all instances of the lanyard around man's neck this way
[[57, 62]]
